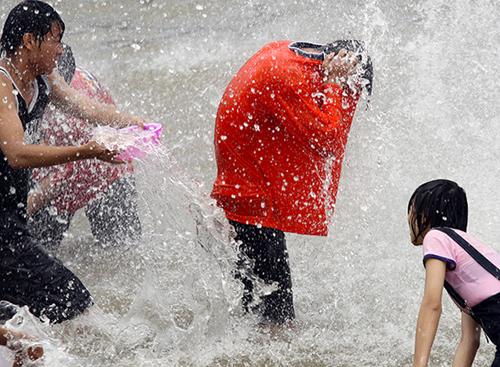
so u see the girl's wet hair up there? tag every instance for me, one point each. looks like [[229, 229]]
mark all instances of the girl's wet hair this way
[[438, 203], [30, 16], [359, 50]]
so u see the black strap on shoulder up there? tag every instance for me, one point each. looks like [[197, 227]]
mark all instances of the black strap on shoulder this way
[[476, 255]]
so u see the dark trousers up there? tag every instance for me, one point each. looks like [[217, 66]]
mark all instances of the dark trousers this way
[[263, 258], [487, 314], [31, 276]]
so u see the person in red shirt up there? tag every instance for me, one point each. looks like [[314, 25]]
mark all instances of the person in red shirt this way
[[106, 191], [280, 135]]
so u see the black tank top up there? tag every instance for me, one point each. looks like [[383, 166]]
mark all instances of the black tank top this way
[[15, 184]]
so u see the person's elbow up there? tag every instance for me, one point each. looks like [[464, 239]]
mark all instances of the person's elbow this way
[[18, 161], [433, 306], [15, 164], [472, 340], [474, 343]]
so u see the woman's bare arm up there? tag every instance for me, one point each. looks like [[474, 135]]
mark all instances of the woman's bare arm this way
[[76, 104]]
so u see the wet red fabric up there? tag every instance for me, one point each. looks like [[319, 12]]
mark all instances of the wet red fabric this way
[[280, 137]]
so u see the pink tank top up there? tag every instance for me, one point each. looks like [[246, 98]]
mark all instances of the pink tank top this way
[[464, 274]]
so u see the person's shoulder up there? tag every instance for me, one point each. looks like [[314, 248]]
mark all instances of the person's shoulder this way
[[276, 47], [439, 233], [4, 76], [276, 56], [437, 236], [7, 91], [437, 244], [278, 44]]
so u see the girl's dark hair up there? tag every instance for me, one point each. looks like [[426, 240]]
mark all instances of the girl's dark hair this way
[[438, 203], [30, 16]]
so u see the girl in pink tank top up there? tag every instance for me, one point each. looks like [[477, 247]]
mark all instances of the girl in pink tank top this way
[[442, 203]]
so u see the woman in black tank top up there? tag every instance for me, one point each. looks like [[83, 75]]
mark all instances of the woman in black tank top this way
[[30, 47]]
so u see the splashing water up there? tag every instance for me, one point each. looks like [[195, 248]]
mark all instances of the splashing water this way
[[169, 301], [131, 142]]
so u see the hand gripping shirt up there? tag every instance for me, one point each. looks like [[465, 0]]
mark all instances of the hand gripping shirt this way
[[465, 275], [82, 180], [280, 137]]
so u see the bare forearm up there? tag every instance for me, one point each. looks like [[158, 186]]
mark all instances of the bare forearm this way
[[465, 354], [76, 104], [469, 343], [427, 324], [100, 114], [33, 156]]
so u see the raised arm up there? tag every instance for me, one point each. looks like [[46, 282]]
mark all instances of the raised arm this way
[[430, 311], [76, 104], [22, 155]]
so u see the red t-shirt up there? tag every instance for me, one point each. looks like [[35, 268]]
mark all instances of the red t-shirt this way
[[83, 180], [280, 137]]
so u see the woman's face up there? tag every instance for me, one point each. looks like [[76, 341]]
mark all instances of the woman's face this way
[[49, 50], [414, 230]]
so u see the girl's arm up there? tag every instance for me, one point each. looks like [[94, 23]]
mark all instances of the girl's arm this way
[[430, 311], [469, 344], [76, 104]]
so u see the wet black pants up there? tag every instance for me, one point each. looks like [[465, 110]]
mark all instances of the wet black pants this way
[[263, 251], [31, 276], [487, 314]]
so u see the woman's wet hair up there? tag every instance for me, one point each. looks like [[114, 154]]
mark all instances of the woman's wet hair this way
[[30, 16], [360, 52], [438, 203]]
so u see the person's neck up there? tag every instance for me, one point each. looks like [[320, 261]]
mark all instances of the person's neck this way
[[21, 73]]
